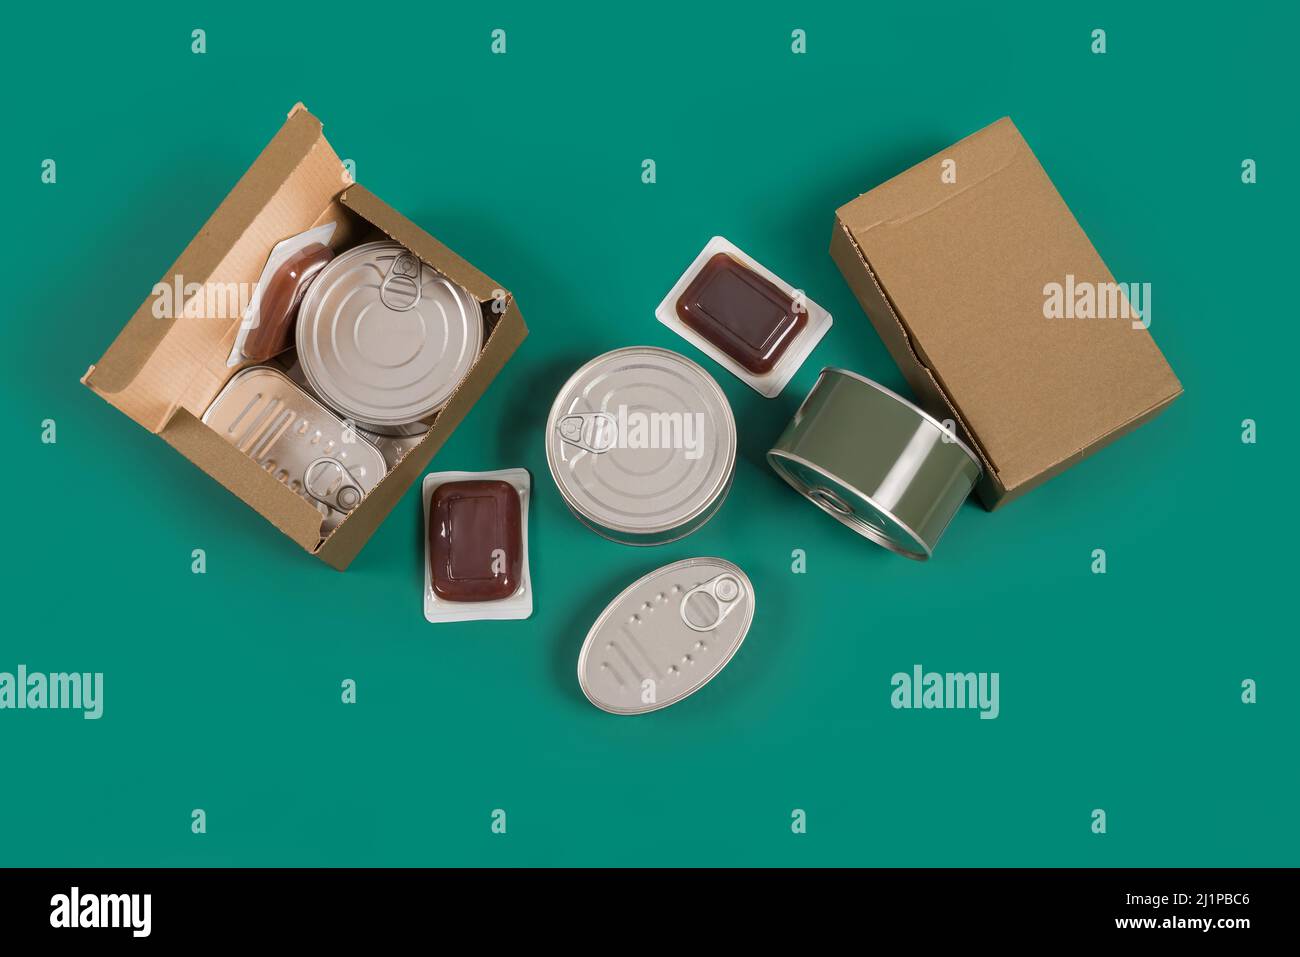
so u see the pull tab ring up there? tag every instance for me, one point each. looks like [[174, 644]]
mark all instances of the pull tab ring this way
[[593, 431], [329, 482], [711, 602], [400, 290]]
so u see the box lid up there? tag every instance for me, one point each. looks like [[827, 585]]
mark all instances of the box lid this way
[[962, 254], [158, 359]]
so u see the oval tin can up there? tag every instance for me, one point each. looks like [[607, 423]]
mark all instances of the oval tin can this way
[[385, 339], [868, 457], [641, 443], [296, 439], [666, 636]]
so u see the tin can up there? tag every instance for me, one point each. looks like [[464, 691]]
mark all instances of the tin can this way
[[641, 443], [296, 439], [873, 460], [385, 339], [666, 636]]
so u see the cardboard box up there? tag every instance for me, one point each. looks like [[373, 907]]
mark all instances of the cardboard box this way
[[169, 362], [953, 261]]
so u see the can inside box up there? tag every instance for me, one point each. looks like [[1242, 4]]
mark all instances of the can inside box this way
[[170, 361], [351, 231]]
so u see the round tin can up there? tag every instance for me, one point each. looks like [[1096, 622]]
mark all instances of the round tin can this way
[[641, 443], [876, 462], [666, 636], [385, 339]]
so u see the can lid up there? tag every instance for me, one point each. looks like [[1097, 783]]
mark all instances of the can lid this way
[[384, 338], [291, 435], [666, 636], [641, 441]]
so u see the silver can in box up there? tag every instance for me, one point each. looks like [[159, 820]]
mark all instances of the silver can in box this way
[[385, 339], [296, 439], [641, 443]]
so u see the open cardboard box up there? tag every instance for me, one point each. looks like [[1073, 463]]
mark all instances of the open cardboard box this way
[[163, 372], [951, 260]]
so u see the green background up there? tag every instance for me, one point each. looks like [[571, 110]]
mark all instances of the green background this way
[[222, 691]]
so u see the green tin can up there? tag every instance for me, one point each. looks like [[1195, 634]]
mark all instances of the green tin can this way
[[873, 460]]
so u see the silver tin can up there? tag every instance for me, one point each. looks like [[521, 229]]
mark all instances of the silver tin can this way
[[297, 440], [641, 443], [666, 636], [877, 463], [385, 339]]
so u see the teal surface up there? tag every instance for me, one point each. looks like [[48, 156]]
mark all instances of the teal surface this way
[[1120, 692]]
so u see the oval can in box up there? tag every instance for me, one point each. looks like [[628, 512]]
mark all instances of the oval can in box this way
[[666, 636], [385, 339], [876, 462], [641, 443], [296, 439]]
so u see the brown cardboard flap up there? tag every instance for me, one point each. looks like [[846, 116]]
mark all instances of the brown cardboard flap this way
[[920, 190], [287, 511], [154, 362], [164, 371], [343, 545], [994, 495], [961, 269], [927, 389], [399, 228]]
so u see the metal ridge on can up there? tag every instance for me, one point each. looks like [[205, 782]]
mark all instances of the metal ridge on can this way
[[291, 435], [641, 443], [385, 339], [873, 460]]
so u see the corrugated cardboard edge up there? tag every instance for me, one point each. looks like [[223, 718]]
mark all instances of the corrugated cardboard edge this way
[[140, 338], [252, 484], [397, 227], [932, 394]]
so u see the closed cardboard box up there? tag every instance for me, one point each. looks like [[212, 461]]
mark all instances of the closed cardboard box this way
[[166, 366], [1000, 313]]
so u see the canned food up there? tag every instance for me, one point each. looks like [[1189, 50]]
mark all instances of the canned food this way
[[392, 447], [385, 339], [295, 438], [666, 636], [641, 443], [876, 462]]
